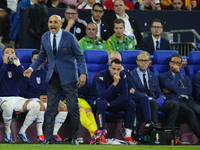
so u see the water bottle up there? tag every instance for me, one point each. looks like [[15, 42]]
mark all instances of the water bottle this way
[[10, 58]]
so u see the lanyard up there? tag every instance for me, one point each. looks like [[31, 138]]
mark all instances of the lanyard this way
[[74, 30], [182, 85], [100, 30], [99, 45], [117, 47]]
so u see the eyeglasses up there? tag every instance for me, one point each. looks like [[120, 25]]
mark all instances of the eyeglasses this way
[[143, 61], [97, 11], [73, 14], [156, 27], [177, 63]]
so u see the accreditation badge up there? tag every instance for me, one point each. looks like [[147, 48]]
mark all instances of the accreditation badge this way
[[130, 46], [9, 74], [64, 49], [38, 80]]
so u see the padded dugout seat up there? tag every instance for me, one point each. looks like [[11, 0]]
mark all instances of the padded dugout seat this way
[[129, 58], [161, 62], [96, 61], [194, 64]]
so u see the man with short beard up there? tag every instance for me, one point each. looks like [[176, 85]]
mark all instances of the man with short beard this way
[[118, 41]]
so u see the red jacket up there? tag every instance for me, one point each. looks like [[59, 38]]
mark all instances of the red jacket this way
[[109, 4]]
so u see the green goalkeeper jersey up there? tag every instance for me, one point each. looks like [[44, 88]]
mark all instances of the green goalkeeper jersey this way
[[87, 44], [115, 45]]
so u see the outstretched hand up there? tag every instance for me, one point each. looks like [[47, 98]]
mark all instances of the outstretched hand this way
[[27, 73]]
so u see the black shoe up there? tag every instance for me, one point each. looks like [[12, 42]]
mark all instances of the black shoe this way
[[47, 142], [149, 125], [74, 142]]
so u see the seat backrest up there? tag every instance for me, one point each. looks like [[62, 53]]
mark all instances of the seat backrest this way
[[96, 61], [1, 54], [163, 56], [159, 69], [129, 58], [194, 64], [161, 62], [24, 56]]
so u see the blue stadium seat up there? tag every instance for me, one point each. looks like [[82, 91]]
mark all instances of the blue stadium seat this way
[[96, 61], [194, 64], [1, 54], [129, 58], [161, 62], [24, 56]]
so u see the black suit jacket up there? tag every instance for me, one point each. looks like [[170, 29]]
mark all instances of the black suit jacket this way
[[104, 29], [146, 44], [134, 25]]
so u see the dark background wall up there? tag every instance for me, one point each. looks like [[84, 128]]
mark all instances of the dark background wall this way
[[172, 20]]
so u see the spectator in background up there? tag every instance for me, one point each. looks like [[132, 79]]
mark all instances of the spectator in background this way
[[151, 5], [97, 13], [176, 5], [6, 9], [74, 2], [15, 27], [118, 41], [88, 4], [155, 41], [195, 4], [36, 89], [109, 4], [131, 27], [91, 41], [72, 23], [55, 4], [186, 3]]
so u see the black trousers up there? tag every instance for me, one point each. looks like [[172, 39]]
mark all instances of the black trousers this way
[[188, 110], [54, 91], [171, 108]]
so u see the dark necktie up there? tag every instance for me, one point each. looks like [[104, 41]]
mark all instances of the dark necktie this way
[[145, 85], [156, 45], [54, 45]]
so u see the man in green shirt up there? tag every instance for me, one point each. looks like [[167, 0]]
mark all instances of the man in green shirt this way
[[118, 41], [91, 41]]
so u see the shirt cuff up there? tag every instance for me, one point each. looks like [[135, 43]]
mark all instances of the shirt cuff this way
[[31, 69]]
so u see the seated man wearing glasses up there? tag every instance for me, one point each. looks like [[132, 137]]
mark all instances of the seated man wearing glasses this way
[[146, 84], [97, 13], [72, 23], [178, 88], [155, 41]]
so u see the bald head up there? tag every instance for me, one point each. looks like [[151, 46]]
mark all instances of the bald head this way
[[54, 23], [114, 55]]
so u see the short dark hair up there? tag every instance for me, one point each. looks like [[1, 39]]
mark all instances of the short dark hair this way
[[71, 6], [8, 46], [35, 52], [118, 21], [173, 0], [97, 4], [116, 61], [177, 55], [156, 20], [121, 0]]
